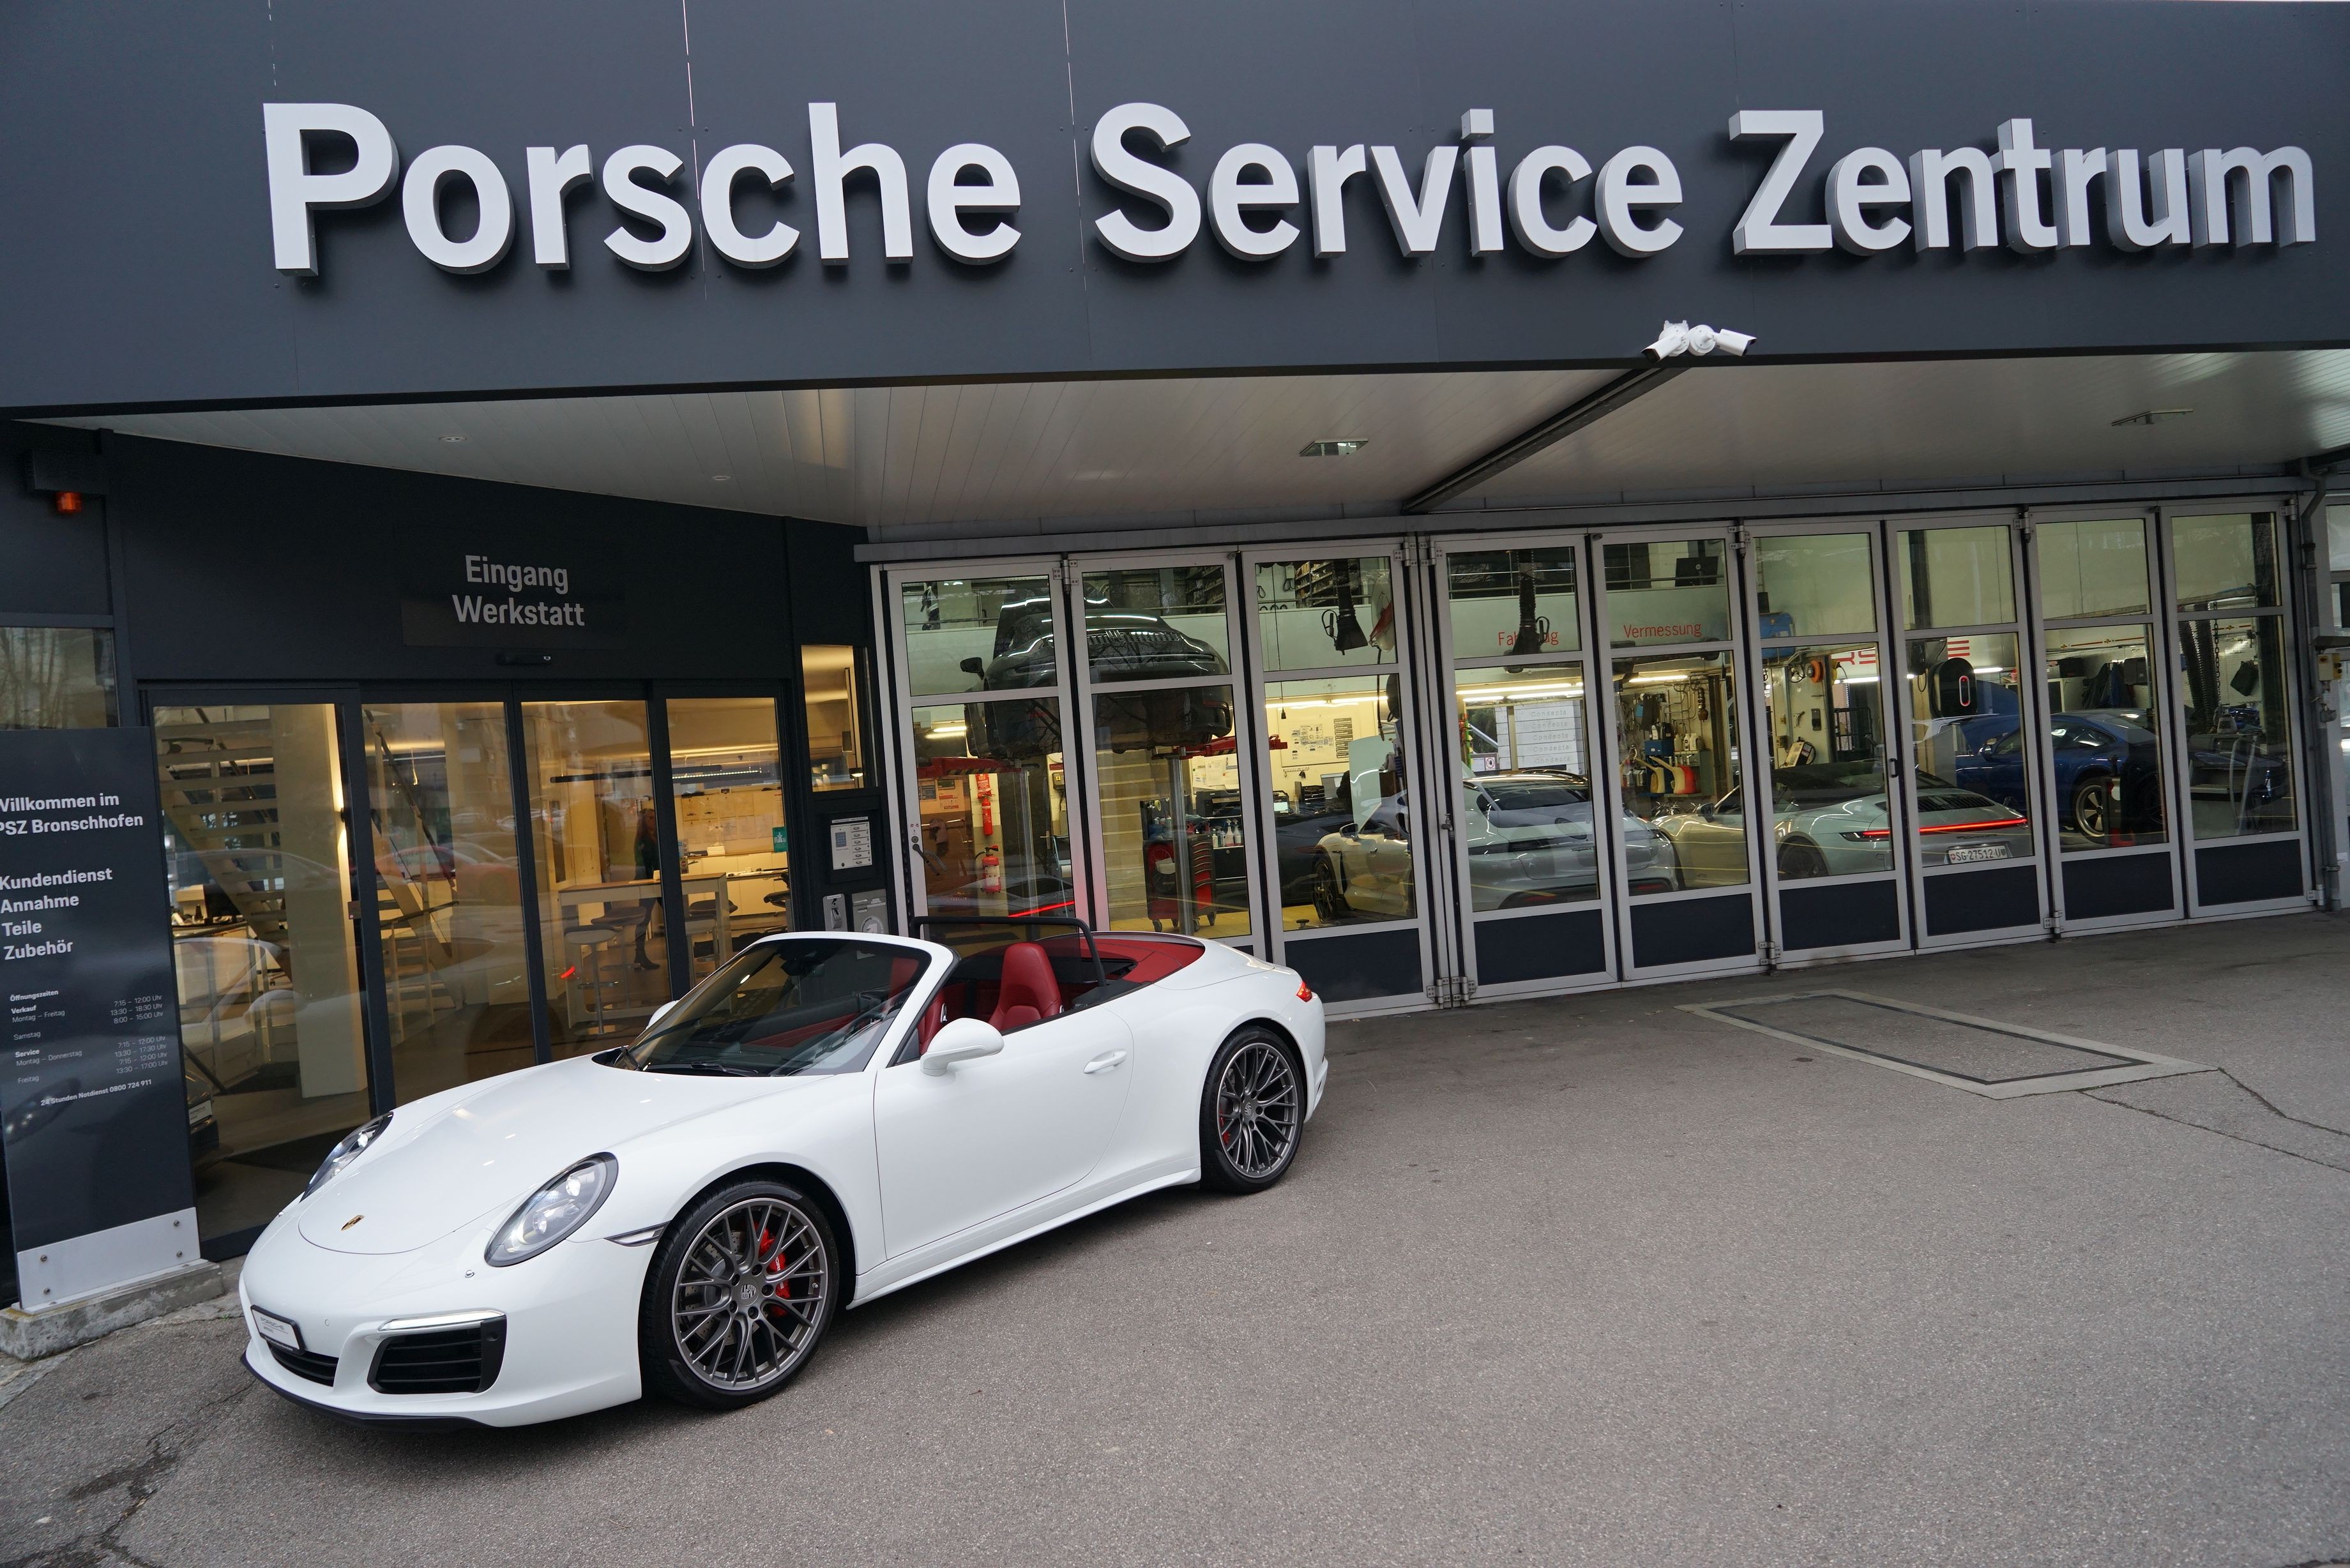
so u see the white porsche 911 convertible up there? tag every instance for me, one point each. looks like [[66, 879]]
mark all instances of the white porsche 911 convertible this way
[[823, 1120]]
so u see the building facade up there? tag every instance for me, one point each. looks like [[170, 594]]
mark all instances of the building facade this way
[[1426, 496]]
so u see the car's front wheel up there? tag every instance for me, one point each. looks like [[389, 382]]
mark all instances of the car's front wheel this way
[[1252, 1111], [2090, 805], [743, 1288], [1329, 899]]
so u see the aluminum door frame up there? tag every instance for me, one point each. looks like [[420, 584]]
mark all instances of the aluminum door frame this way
[[1398, 553], [900, 730], [2030, 704], [1440, 701], [1093, 870], [2293, 618], [1607, 775], [2162, 654], [1889, 751]]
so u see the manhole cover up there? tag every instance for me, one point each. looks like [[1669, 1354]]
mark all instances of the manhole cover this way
[[1983, 1056]]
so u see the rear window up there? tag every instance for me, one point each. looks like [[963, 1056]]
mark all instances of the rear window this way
[[780, 1009]]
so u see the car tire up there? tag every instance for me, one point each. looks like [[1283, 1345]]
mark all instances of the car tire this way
[[1329, 901], [1799, 860], [1252, 1111], [2092, 806], [707, 1335]]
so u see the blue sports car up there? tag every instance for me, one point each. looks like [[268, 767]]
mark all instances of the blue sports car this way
[[2108, 770]]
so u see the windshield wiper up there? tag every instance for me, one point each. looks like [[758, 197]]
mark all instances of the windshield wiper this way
[[709, 1069]]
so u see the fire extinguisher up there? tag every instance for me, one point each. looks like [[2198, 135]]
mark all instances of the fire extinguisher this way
[[991, 872], [985, 788]]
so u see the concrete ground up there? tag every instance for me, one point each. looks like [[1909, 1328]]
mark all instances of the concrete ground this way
[[1576, 1281]]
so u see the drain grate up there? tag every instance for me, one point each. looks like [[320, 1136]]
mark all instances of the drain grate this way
[[1982, 1056]]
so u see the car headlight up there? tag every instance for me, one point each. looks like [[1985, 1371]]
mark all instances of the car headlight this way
[[555, 1210], [353, 1146]]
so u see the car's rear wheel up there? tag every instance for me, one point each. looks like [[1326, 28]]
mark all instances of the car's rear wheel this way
[[1799, 861], [743, 1287], [2091, 812], [1252, 1111]]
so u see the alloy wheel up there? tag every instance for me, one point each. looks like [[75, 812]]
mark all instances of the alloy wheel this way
[[751, 1295], [1258, 1109]]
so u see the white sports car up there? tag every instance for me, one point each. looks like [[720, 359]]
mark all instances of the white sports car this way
[[823, 1120]]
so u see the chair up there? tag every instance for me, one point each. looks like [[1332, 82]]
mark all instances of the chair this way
[[1028, 993]]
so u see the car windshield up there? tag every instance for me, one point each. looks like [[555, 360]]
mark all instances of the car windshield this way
[[783, 1009], [1537, 794]]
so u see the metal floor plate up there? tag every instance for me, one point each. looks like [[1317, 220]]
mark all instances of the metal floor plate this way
[[1980, 1055]]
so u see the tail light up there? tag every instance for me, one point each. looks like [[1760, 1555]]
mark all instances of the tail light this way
[[1305, 992]]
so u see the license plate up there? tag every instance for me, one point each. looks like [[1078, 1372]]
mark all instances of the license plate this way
[[276, 1330], [1964, 853]]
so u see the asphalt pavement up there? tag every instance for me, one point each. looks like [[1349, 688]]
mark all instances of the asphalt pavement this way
[[1585, 1280]]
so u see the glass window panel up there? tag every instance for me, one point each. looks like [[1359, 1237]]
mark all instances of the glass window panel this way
[[1677, 716], [1316, 615], [1146, 624], [271, 1030], [992, 801], [56, 678], [1974, 762], [1957, 577], [1525, 814], [1174, 852], [2093, 567], [2226, 562], [836, 720], [448, 896], [2337, 538], [978, 634], [734, 854], [1667, 591], [1342, 826], [1809, 585], [2103, 738], [2239, 726], [1825, 707], [596, 849], [1518, 602]]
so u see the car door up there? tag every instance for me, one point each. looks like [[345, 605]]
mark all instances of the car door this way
[[987, 1137], [1386, 842]]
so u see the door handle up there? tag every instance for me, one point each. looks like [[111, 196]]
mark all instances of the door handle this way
[[1105, 1062]]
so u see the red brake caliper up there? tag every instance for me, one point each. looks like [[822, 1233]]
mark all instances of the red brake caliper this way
[[777, 1285]]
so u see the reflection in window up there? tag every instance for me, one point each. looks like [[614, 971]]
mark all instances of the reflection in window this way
[[1514, 720], [992, 809], [1175, 857], [1519, 602], [2226, 562], [1957, 577], [270, 1030], [1829, 815], [1316, 615], [2092, 569], [1809, 585], [734, 854], [1342, 826], [1678, 715], [1667, 591], [1974, 764], [56, 678], [1525, 813], [835, 725], [974, 634], [448, 903], [2239, 726], [2102, 739], [1146, 624]]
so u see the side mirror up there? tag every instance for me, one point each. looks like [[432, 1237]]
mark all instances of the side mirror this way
[[962, 1040], [973, 667]]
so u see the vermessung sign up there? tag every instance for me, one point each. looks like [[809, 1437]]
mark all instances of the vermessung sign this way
[[93, 1110]]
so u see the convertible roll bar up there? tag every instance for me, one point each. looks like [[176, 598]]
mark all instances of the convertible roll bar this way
[[1029, 922]]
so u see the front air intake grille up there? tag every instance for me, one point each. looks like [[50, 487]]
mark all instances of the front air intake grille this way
[[307, 1364], [460, 1360]]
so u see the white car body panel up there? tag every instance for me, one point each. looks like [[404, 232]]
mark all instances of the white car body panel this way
[[920, 1189]]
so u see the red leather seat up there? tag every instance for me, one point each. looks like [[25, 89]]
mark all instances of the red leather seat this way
[[1028, 993]]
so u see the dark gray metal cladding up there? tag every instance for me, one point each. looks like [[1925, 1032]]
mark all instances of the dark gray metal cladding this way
[[148, 261]]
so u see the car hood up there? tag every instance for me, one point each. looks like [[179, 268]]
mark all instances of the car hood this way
[[480, 1158]]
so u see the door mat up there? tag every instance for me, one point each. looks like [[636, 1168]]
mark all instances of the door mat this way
[[1980, 1055]]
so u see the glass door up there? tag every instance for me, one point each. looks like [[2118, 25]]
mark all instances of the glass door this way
[[1680, 822], [1970, 794], [1166, 770], [1530, 867], [1833, 852], [1338, 774], [2238, 794], [2102, 752]]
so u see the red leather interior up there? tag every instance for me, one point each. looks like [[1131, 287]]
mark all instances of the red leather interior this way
[[1028, 993]]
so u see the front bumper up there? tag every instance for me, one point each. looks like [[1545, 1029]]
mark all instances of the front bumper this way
[[570, 1325]]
